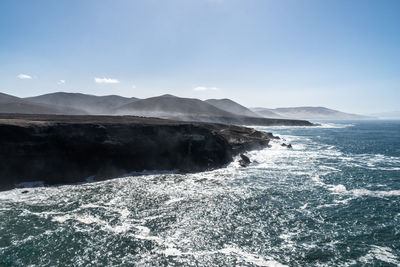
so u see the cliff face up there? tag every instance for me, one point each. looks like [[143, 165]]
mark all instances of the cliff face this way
[[66, 149]]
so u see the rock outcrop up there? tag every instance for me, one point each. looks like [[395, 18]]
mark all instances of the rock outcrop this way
[[244, 160], [67, 149], [288, 146]]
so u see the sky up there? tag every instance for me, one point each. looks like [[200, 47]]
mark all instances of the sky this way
[[341, 54]]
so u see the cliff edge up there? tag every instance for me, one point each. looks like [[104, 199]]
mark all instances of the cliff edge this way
[[59, 149]]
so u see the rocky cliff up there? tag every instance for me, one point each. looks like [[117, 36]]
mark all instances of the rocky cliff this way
[[66, 149]]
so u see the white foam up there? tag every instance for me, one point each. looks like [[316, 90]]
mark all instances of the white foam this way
[[143, 230], [61, 219], [331, 125], [384, 254], [304, 206], [151, 172], [86, 219], [91, 205], [316, 178], [172, 251], [337, 188], [174, 200], [322, 125], [255, 259], [373, 161], [341, 189], [124, 226], [250, 258], [378, 193]]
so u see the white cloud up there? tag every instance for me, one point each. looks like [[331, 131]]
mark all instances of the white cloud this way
[[133, 86], [105, 80], [204, 88], [61, 82], [24, 76]]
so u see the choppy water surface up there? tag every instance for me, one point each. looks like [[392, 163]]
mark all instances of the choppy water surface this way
[[332, 200]]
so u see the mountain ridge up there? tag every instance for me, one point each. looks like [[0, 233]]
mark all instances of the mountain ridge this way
[[165, 106], [91, 104], [13, 104], [232, 107], [310, 113]]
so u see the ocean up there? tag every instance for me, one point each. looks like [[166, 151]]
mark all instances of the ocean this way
[[332, 200]]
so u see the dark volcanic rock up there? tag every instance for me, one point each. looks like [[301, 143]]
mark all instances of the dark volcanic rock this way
[[67, 149], [244, 160], [285, 145]]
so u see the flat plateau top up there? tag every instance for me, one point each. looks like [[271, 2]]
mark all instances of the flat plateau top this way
[[40, 119]]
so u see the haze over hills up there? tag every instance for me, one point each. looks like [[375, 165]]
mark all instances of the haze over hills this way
[[164, 106], [192, 109], [232, 107], [90, 104], [167, 106], [266, 113], [12, 104], [308, 113]]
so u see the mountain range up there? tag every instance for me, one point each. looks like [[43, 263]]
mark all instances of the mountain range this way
[[164, 106], [12, 104], [87, 104], [308, 113]]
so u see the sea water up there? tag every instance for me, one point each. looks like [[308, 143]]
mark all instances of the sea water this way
[[332, 200]]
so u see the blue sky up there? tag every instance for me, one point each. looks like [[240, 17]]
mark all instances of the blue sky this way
[[340, 54]]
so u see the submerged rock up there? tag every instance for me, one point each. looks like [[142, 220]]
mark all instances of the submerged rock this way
[[67, 149], [285, 145], [244, 160]]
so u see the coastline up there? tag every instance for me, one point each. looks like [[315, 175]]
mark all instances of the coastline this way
[[60, 149]]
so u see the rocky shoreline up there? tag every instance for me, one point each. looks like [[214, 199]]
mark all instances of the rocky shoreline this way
[[58, 149]]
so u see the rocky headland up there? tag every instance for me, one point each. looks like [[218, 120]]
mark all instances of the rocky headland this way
[[59, 149]]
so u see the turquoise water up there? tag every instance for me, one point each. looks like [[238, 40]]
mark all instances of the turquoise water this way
[[334, 200]]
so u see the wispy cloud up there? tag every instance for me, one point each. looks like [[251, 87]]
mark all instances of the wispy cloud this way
[[61, 82], [133, 86], [105, 80], [24, 76], [204, 88]]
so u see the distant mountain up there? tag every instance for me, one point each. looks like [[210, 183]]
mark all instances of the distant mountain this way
[[312, 113], [167, 106], [4, 98], [90, 104], [191, 109], [12, 104], [232, 107], [266, 113], [391, 115]]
